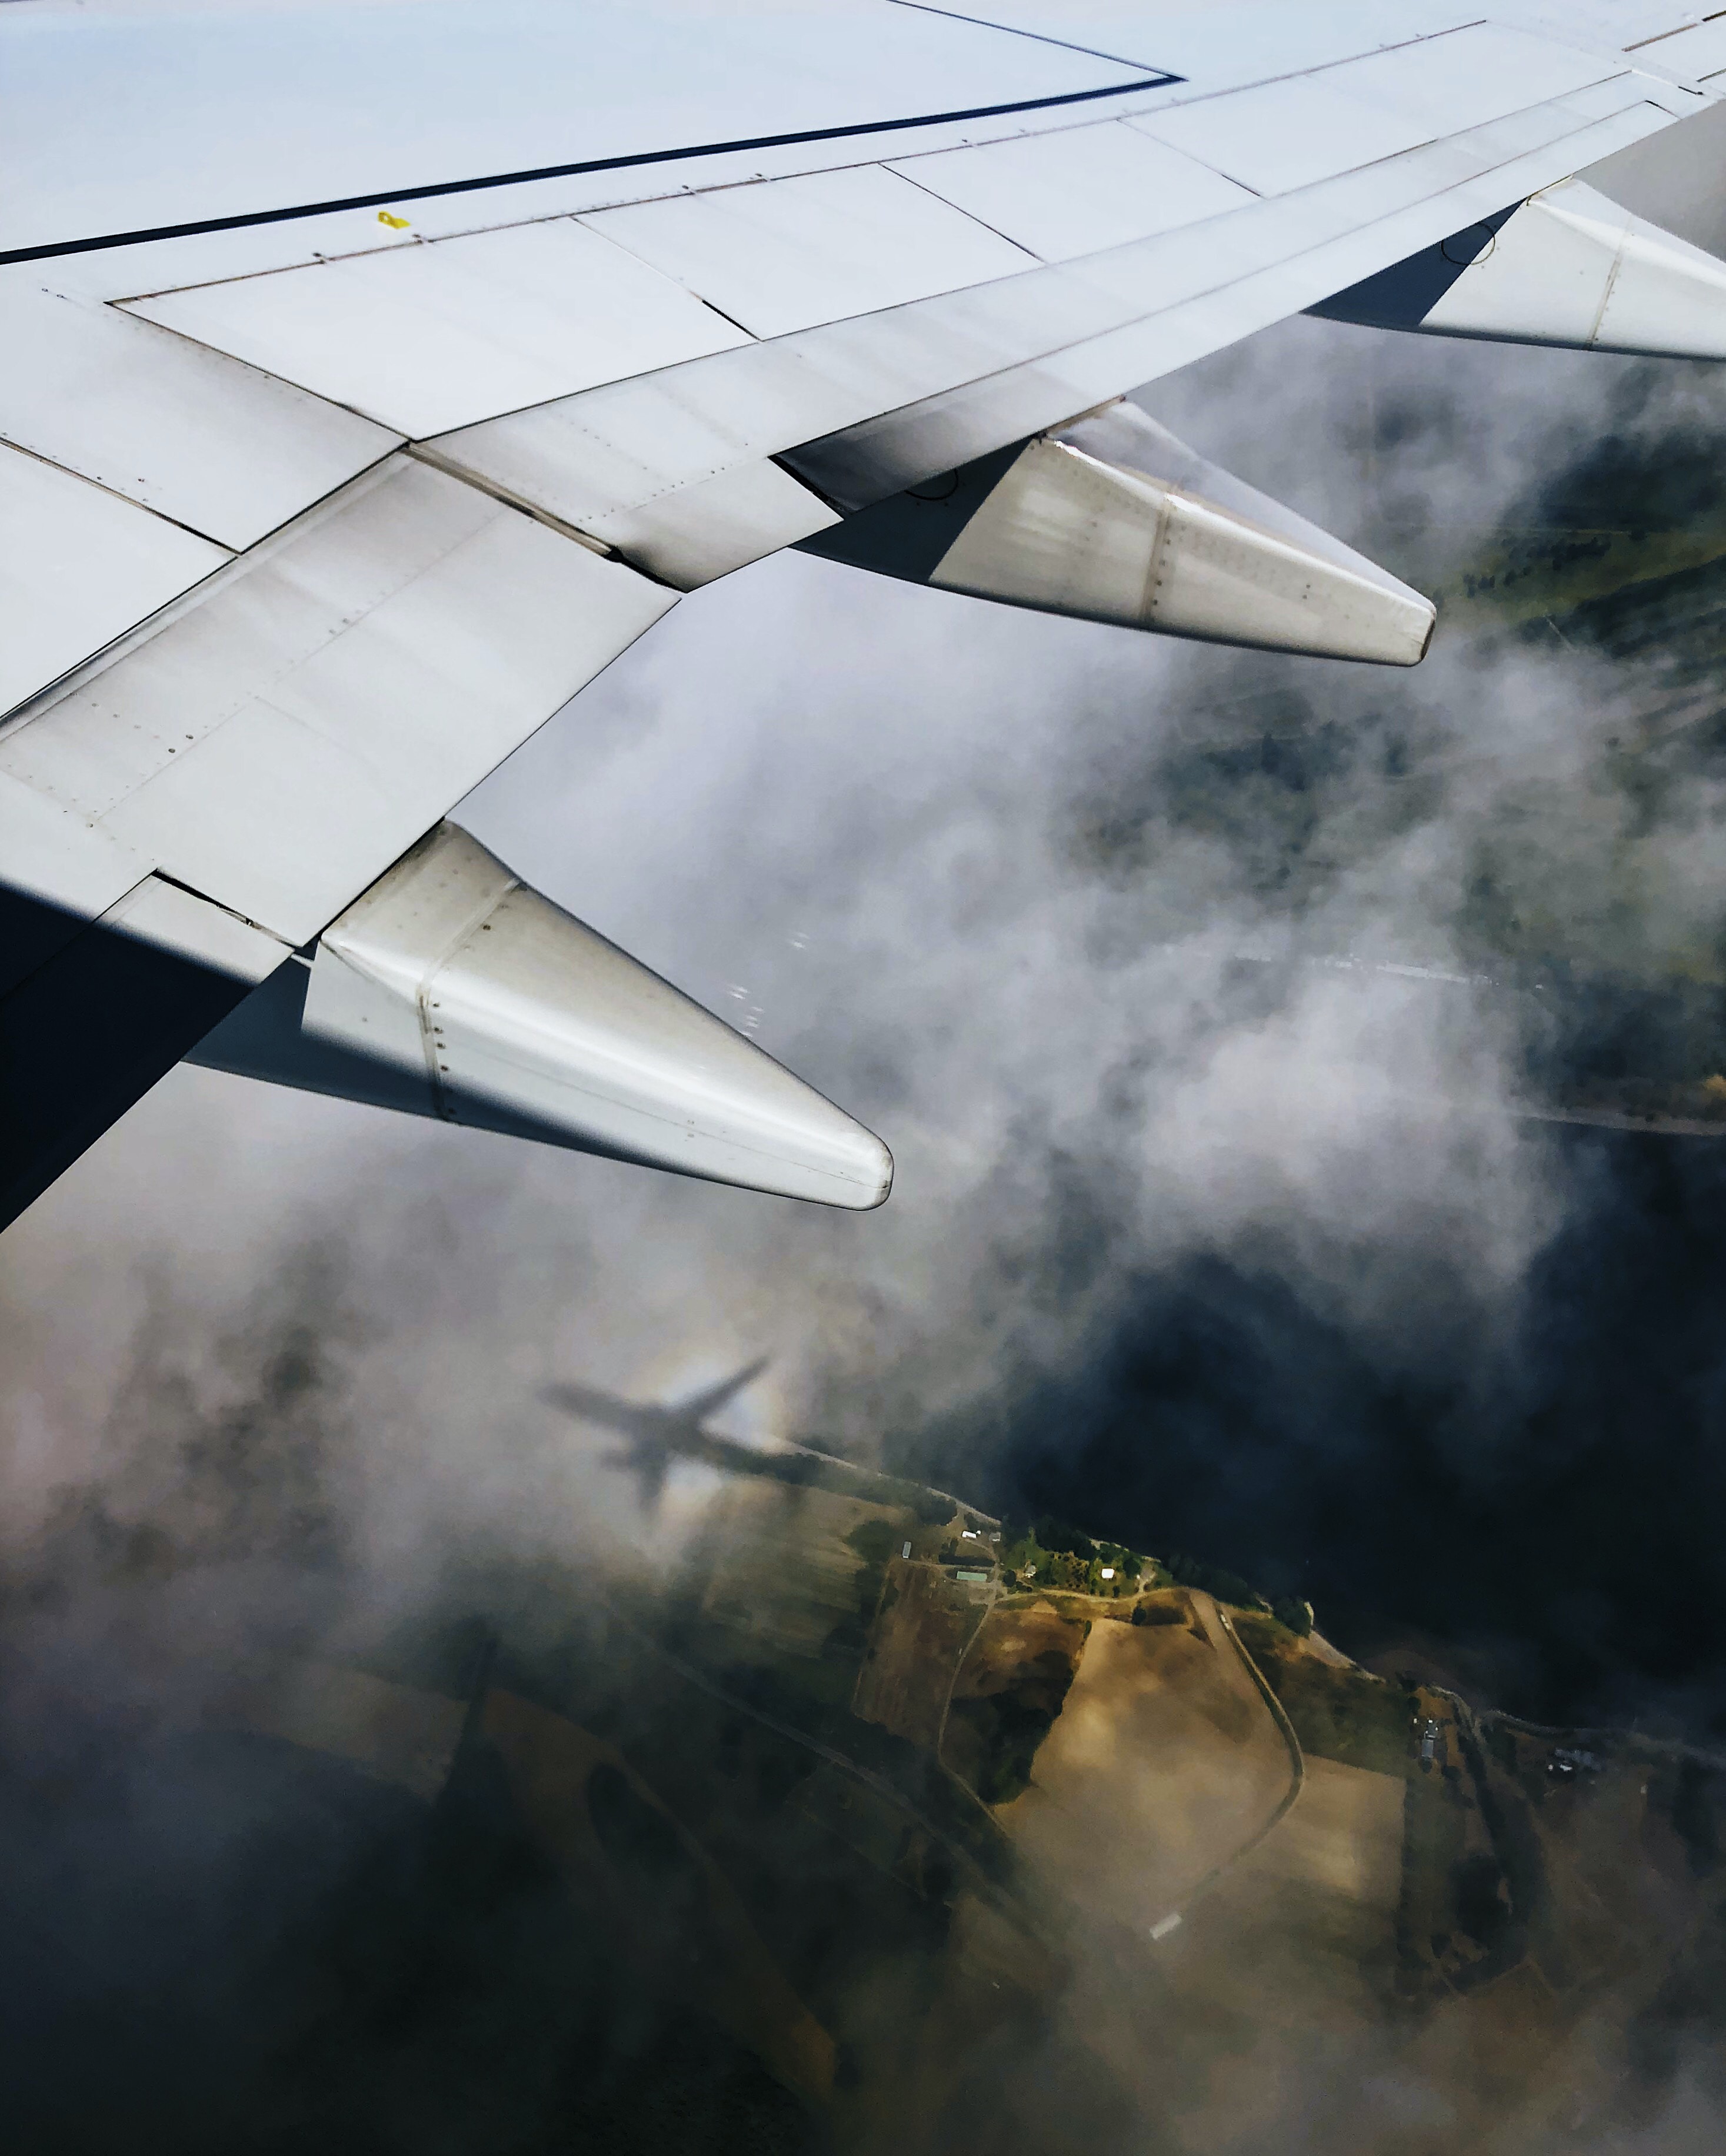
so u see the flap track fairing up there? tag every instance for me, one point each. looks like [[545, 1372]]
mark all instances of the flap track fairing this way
[[1111, 519], [1568, 268], [451, 989]]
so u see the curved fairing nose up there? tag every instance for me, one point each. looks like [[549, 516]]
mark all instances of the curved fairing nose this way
[[451, 988]]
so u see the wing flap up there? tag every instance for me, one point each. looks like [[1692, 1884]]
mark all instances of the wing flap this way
[[220, 448], [1022, 353], [426, 338], [79, 566], [1078, 190], [56, 857], [1281, 136], [785, 254], [1329, 237], [706, 531], [274, 747]]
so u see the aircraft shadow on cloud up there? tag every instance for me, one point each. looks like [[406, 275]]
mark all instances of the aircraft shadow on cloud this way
[[657, 1436]]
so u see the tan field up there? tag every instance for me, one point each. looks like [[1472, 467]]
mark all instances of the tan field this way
[[1302, 1931], [783, 1575], [924, 1625], [1013, 1635], [1164, 1762], [1344, 1836]]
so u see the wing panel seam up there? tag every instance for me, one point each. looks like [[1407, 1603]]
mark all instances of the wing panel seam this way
[[247, 219]]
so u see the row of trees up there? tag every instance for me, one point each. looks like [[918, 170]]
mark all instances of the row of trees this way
[[1057, 1554]]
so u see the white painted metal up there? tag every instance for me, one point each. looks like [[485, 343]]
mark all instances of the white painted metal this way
[[1571, 268], [1695, 54], [690, 86], [787, 254], [1286, 135], [1123, 435], [275, 744], [589, 460], [216, 446], [271, 743], [892, 397], [130, 115], [208, 258], [171, 919], [685, 535], [424, 339], [501, 1011], [1607, 25], [1066, 532], [50, 852], [1329, 237], [699, 532], [1221, 45], [78, 566], [1078, 190]]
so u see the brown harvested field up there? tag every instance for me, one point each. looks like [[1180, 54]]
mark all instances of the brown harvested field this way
[[1276, 1979], [1302, 1931], [1339, 1712], [1608, 1902], [1013, 1635], [781, 1573], [1163, 1761], [1010, 1689], [1489, 2049], [924, 1624], [1344, 1836]]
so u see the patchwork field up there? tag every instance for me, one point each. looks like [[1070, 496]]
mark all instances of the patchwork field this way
[[924, 1624], [1339, 1712], [787, 1573], [1009, 1690]]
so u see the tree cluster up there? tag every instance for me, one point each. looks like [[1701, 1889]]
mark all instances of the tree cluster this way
[[1187, 1571], [1057, 1555]]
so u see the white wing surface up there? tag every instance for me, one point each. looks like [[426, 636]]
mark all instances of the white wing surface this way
[[375, 375]]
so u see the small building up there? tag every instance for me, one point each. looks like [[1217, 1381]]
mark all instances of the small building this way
[[1108, 1571], [973, 1575]]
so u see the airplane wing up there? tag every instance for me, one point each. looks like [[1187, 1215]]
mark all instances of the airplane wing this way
[[376, 374]]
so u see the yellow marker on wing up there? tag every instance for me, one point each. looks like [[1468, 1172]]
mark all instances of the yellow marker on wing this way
[[395, 223]]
